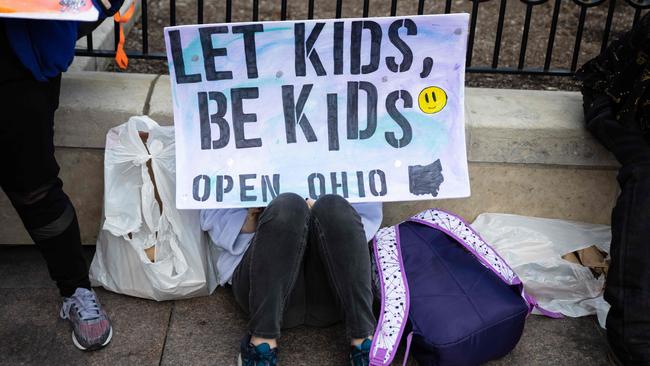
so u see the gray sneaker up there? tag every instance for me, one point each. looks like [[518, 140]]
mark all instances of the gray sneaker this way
[[91, 328]]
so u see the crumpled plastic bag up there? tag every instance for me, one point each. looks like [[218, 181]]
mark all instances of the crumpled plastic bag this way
[[146, 247], [534, 248]]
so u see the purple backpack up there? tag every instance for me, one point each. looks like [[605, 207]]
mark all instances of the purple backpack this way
[[448, 290]]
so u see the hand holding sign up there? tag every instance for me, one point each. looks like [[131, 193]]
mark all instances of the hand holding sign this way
[[250, 225], [316, 107]]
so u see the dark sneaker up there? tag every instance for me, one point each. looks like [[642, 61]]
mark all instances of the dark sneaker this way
[[360, 355], [261, 355], [91, 328]]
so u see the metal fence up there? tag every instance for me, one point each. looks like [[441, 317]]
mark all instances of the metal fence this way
[[493, 66]]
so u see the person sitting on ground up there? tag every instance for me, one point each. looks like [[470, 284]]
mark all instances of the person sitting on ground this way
[[616, 92], [298, 262], [33, 54]]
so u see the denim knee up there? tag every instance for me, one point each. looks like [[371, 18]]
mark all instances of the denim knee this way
[[286, 210], [331, 204], [336, 217]]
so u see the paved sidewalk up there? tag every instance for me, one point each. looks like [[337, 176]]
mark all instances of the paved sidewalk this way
[[206, 331]]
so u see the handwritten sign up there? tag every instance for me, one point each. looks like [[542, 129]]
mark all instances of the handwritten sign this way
[[370, 109], [79, 10]]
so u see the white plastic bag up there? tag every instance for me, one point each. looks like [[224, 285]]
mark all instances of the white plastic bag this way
[[534, 248], [132, 221]]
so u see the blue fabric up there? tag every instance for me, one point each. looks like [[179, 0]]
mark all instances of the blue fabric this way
[[45, 47], [461, 313]]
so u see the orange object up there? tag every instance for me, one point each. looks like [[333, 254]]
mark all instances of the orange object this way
[[120, 55]]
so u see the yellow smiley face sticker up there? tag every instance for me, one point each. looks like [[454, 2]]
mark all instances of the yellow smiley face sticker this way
[[432, 100]]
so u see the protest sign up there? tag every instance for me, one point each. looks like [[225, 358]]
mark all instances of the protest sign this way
[[370, 109], [79, 10]]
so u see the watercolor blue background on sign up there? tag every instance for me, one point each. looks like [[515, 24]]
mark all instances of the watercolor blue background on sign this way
[[439, 136]]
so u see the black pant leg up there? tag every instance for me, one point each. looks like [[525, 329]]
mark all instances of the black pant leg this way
[[338, 232], [29, 174], [628, 281], [265, 279], [322, 305]]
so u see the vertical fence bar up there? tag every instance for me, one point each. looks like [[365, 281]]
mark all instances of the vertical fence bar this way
[[283, 10], [89, 42], [172, 12], [116, 33], [256, 10], [472, 32], [497, 41], [551, 35], [575, 58], [144, 18], [608, 25], [310, 10], [576, 47], [524, 37]]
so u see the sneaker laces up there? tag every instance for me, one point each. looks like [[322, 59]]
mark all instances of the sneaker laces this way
[[84, 302], [360, 358], [262, 356], [265, 359], [360, 354]]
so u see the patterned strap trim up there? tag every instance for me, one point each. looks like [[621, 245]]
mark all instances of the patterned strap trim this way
[[394, 299], [458, 229]]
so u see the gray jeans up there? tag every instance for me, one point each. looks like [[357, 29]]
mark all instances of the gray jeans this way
[[308, 267]]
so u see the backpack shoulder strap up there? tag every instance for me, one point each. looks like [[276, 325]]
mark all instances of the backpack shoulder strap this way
[[466, 236], [458, 229], [394, 296]]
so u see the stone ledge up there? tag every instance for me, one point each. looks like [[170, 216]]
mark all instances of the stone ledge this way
[[503, 126], [530, 127], [160, 105], [91, 103]]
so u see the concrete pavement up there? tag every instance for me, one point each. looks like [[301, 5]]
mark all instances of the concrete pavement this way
[[206, 330]]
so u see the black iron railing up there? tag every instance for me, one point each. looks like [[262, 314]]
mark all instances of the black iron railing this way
[[493, 64]]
